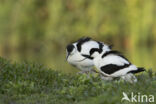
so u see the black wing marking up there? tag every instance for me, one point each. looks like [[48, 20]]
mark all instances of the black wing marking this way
[[94, 50], [87, 56], [81, 41], [116, 53], [100, 46], [111, 68], [110, 52], [137, 71], [110, 46]]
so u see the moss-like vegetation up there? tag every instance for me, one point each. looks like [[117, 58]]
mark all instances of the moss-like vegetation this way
[[27, 83]]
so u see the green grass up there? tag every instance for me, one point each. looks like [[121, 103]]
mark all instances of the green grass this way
[[27, 83]]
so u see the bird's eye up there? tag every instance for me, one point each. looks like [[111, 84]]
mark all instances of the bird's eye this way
[[70, 48]]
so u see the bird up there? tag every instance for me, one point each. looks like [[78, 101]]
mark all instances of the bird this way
[[113, 64], [77, 53]]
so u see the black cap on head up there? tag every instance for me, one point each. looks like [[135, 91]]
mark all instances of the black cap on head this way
[[70, 48]]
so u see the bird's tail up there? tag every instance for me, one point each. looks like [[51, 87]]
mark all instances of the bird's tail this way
[[140, 69]]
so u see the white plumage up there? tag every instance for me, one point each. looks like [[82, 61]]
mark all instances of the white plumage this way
[[78, 53], [112, 64]]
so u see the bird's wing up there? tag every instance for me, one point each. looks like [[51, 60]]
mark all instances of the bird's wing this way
[[86, 47], [82, 41], [114, 59], [106, 46], [111, 68], [113, 63]]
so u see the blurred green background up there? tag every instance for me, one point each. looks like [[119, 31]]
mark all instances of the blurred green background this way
[[39, 30]]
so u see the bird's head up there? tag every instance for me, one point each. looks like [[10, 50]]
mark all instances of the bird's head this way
[[70, 49]]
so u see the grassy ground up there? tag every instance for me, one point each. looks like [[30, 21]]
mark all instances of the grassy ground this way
[[27, 83]]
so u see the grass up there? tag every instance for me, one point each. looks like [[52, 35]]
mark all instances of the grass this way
[[27, 83]]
